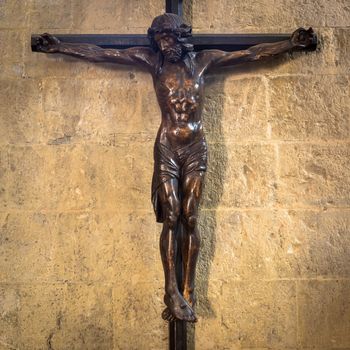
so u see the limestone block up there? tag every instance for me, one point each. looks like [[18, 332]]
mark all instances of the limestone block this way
[[52, 178], [274, 244], [37, 65], [64, 115], [342, 51], [212, 334], [137, 316], [33, 251], [12, 46], [88, 319], [235, 110], [255, 16], [11, 53], [240, 176], [150, 111], [139, 14], [208, 290], [126, 183], [40, 316], [9, 327], [53, 15], [263, 348], [12, 70], [91, 236], [14, 14], [26, 172], [104, 15], [116, 16], [101, 110], [122, 104], [338, 13], [120, 17], [63, 177], [329, 247], [314, 175], [137, 249], [219, 256], [20, 111], [113, 246], [209, 332], [261, 314], [310, 107], [324, 314], [4, 170]]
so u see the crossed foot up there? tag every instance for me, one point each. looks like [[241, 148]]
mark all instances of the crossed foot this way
[[178, 308]]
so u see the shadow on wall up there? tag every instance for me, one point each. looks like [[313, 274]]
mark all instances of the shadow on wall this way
[[213, 113], [213, 189]]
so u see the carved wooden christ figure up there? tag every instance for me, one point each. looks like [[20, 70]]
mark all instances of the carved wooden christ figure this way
[[180, 151]]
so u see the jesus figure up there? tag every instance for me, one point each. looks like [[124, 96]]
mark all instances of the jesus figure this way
[[180, 151]]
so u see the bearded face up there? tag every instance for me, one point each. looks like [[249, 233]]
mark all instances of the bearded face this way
[[169, 47]]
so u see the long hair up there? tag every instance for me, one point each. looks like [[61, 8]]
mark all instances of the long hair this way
[[172, 24]]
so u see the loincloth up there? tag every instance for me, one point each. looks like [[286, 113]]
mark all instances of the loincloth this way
[[176, 164]]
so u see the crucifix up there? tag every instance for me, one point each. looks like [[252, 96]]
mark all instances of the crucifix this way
[[178, 62]]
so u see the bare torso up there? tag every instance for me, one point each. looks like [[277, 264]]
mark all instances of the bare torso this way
[[180, 97]]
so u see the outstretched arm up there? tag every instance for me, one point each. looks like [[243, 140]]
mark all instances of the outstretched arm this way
[[300, 39], [141, 56]]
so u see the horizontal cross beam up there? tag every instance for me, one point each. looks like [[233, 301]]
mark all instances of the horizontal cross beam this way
[[226, 42]]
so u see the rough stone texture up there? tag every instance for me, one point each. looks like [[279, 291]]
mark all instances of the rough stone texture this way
[[116, 16], [324, 314], [239, 116], [240, 176], [9, 326], [21, 116], [26, 256], [314, 175], [262, 314], [50, 14], [310, 108], [136, 315], [338, 14], [88, 319], [79, 259], [251, 16], [279, 244], [14, 14]]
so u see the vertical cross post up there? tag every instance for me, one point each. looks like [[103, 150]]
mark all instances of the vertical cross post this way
[[174, 6], [177, 335], [177, 329]]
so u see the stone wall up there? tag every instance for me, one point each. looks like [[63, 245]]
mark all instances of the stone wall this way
[[79, 260]]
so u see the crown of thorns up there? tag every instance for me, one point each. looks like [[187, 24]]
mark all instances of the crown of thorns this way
[[172, 24]]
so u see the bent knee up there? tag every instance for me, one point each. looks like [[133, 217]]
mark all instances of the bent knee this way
[[172, 217], [190, 221]]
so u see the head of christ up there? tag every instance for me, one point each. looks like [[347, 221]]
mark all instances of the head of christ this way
[[168, 34]]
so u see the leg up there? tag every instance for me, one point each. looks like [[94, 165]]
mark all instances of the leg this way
[[192, 189], [176, 304]]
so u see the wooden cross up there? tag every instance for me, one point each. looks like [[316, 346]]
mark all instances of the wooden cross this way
[[225, 42]]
